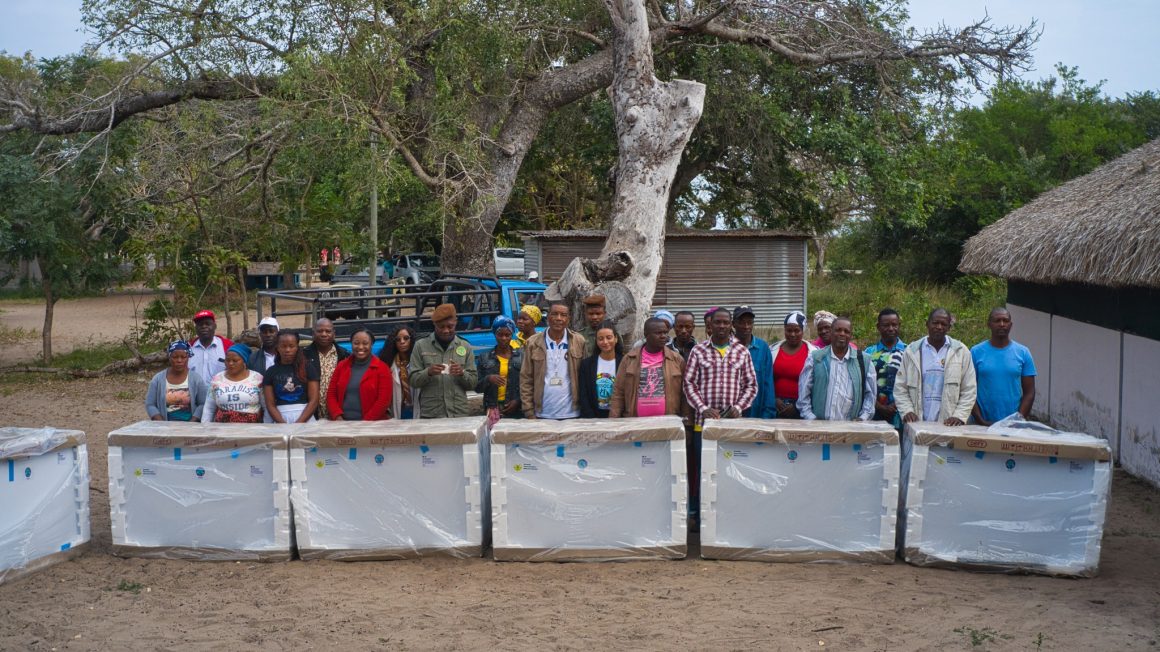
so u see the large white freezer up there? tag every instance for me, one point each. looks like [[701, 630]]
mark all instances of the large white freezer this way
[[390, 489], [213, 491], [1015, 500], [589, 489], [791, 490], [44, 498]]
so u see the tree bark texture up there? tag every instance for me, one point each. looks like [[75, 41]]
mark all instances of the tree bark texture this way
[[49, 306], [654, 121]]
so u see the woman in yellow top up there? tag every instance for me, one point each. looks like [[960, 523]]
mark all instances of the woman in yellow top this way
[[499, 373], [526, 323]]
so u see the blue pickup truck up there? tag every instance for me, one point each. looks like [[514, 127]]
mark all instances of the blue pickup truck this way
[[478, 300]]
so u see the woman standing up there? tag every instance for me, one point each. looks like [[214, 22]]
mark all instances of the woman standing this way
[[360, 389], [789, 357], [396, 354], [235, 395], [175, 394], [597, 375], [501, 398], [526, 322], [291, 385]]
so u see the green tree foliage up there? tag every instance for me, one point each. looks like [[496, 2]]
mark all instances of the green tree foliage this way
[[1028, 137]]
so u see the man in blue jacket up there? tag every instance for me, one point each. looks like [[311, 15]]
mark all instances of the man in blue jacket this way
[[764, 406]]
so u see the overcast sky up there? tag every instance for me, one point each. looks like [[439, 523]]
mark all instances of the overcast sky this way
[[1113, 40]]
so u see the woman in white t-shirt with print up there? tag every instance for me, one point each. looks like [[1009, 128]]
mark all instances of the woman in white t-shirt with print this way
[[235, 395], [597, 375]]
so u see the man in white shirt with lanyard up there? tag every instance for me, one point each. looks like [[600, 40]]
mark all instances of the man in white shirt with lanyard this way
[[549, 376]]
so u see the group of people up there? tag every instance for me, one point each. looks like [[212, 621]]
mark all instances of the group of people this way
[[561, 373]]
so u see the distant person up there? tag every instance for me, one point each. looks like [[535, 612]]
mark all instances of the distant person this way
[[263, 358], [549, 379], [708, 319], [360, 389], [789, 358], [1006, 373], [683, 328], [499, 374], [937, 379], [443, 369], [324, 355], [291, 385], [886, 355], [650, 379], [598, 373], [207, 351], [594, 312], [526, 322], [235, 395], [396, 354], [174, 393], [838, 382], [764, 404]]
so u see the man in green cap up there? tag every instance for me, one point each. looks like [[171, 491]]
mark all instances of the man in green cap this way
[[442, 368]]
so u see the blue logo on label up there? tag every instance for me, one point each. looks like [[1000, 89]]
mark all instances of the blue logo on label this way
[[582, 463], [1010, 464], [379, 458], [792, 455], [200, 472], [28, 471]]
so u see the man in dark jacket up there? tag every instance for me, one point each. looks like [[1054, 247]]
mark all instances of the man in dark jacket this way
[[325, 355]]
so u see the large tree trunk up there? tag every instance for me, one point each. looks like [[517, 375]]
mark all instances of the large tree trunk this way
[[654, 120], [49, 305]]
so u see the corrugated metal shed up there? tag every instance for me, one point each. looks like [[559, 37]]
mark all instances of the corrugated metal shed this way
[[701, 269]]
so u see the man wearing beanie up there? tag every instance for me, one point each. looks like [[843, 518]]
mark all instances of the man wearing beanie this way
[[442, 368]]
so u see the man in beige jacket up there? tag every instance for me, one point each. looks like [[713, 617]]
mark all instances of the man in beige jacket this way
[[937, 378], [549, 378]]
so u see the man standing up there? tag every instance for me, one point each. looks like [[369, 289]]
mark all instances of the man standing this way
[[838, 383], [549, 379], [719, 379], [593, 316], [1006, 373], [263, 358], [442, 367], [937, 379], [325, 356], [207, 351], [887, 358], [764, 405], [683, 340], [648, 382]]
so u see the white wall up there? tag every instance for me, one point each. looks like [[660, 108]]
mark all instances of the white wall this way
[[1085, 379], [1140, 421], [1032, 329]]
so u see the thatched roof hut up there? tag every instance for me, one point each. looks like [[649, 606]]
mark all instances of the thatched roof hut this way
[[1099, 229]]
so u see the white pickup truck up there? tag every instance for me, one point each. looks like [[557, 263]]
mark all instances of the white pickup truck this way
[[509, 262]]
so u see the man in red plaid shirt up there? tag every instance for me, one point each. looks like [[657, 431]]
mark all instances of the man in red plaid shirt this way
[[720, 383], [719, 379]]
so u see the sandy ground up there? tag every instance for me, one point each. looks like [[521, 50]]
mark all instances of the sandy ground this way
[[482, 604], [79, 323]]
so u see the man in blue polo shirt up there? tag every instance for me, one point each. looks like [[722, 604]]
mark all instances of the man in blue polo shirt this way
[[1005, 372]]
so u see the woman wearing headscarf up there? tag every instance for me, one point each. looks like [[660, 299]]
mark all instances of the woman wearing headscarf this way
[[597, 374], [526, 322], [789, 358], [360, 389], [174, 393], [499, 373], [823, 320], [235, 395], [396, 354]]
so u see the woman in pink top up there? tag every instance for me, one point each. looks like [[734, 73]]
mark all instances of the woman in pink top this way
[[649, 379]]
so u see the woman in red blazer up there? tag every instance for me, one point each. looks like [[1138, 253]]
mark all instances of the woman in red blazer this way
[[360, 389]]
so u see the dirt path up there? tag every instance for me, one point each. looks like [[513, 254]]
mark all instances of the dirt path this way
[[481, 604], [78, 323]]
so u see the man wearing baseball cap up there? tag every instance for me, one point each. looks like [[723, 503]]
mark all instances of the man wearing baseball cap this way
[[207, 351], [764, 406], [263, 358]]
